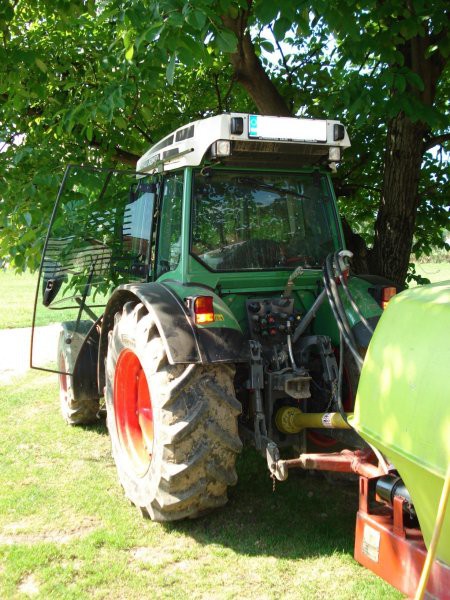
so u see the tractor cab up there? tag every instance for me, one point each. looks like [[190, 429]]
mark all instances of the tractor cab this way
[[209, 203]]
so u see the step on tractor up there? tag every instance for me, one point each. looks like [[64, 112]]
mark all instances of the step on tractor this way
[[206, 301]]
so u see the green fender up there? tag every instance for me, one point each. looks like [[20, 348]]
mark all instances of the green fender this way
[[185, 342]]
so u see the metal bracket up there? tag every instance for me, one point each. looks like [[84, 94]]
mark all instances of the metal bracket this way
[[256, 384], [276, 466]]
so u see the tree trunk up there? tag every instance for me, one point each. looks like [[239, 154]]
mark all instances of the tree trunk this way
[[394, 226]]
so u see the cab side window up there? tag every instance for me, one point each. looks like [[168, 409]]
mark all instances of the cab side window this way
[[169, 235], [136, 230]]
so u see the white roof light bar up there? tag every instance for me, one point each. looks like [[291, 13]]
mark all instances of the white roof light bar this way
[[287, 129], [248, 139]]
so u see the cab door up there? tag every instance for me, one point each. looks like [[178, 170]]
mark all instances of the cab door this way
[[100, 236]]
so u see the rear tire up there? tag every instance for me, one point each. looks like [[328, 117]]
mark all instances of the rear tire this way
[[83, 410], [173, 428]]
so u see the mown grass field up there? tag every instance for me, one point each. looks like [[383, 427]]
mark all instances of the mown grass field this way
[[18, 293], [434, 271], [66, 531]]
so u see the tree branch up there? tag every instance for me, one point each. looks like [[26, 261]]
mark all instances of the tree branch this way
[[119, 154], [217, 89], [438, 140], [249, 71], [228, 93], [284, 61], [143, 132]]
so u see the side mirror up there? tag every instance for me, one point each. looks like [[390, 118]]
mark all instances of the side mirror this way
[[50, 289]]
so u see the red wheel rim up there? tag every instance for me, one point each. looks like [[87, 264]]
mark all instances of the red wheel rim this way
[[133, 411]]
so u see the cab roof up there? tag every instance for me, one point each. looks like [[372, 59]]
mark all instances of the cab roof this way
[[242, 139]]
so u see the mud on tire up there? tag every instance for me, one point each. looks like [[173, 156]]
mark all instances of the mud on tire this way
[[84, 409], [192, 437]]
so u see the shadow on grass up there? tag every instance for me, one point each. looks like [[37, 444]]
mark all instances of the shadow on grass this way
[[306, 516], [98, 427]]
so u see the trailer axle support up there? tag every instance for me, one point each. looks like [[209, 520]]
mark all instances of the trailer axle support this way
[[360, 462]]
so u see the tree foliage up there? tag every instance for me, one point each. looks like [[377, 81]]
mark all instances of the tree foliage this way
[[101, 80]]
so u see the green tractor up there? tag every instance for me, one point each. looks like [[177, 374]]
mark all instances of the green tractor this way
[[205, 301]]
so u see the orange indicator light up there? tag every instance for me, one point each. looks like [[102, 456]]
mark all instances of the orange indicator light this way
[[203, 310], [386, 294]]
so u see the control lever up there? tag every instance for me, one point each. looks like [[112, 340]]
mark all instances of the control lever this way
[[287, 293]]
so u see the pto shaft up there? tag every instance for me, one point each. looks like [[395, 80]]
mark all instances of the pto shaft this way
[[290, 419]]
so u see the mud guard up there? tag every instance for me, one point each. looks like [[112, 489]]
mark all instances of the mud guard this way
[[84, 383], [183, 341]]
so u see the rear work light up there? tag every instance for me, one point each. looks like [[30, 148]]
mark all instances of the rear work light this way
[[386, 295], [203, 310], [221, 149]]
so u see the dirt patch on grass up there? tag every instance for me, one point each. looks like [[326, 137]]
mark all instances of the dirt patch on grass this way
[[29, 586], [15, 533], [15, 350], [161, 556]]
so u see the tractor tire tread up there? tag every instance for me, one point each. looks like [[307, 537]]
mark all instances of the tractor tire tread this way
[[196, 437]]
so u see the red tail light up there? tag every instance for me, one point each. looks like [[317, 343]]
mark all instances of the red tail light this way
[[386, 295], [203, 310]]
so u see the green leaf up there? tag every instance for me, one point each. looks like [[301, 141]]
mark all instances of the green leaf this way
[[196, 19], [89, 133], [129, 53], [170, 71], [152, 33], [267, 46], [120, 122], [415, 80], [226, 41], [400, 83], [41, 65], [266, 11], [280, 28]]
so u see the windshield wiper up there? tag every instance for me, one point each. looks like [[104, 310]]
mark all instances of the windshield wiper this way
[[271, 188]]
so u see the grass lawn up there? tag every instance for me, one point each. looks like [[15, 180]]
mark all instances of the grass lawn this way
[[435, 272], [66, 530], [16, 310], [17, 292]]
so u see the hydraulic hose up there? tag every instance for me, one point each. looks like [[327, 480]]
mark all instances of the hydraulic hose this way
[[347, 339], [339, 313], [347, 336], [337, 302], [353, 304], [434, 538]]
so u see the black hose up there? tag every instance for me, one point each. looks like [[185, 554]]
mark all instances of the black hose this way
[[348, 294], [339, 312], [343, 332], [337, 305], [340, 377]]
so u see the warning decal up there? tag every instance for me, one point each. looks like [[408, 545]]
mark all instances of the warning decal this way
[[371, 543]]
